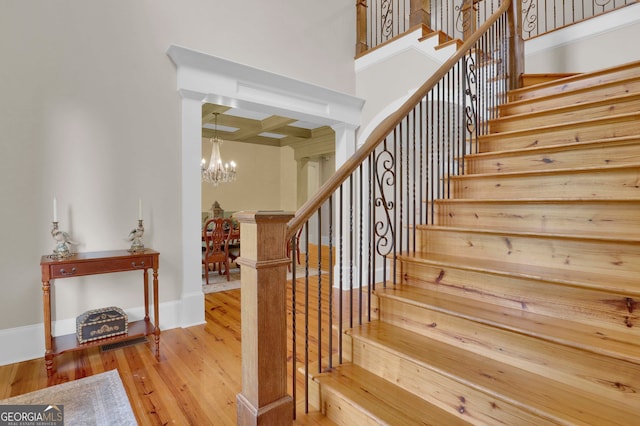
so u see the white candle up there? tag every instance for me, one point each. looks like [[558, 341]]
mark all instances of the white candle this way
[[55, 209], [140, 209]]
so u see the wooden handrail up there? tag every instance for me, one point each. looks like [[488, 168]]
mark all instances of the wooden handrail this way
[[385, 127]]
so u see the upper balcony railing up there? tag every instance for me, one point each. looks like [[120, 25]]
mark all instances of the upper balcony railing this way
[[379, 21], [542, 16]]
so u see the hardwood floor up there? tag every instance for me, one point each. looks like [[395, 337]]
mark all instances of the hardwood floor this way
[[194, 383]]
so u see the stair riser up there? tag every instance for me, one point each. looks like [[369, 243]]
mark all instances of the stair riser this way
[[577, 83], [341, 411], [562, 134], [533, 79], [567, 365], [596, 94], [616, 218], [616, 259], [604, 109], [442, 391], [600, 184], [594, 309], [574, 156]]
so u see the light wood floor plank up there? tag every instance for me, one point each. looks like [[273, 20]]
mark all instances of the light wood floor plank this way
[[199, 373]]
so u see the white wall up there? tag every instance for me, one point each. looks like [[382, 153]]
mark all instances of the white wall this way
[[89, 113], [393, 74], [260, 172], [608, 40], [288, 180]]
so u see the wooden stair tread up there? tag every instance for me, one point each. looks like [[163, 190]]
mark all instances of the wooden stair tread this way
[[599, 217], [536, 200], [612, 101], [577, 81], [578, 123], [530, 79], [600, 238], [577, 97], [384, 401], [593, 281], [551, 400], [622, 140], [573, 170], [556, 330]]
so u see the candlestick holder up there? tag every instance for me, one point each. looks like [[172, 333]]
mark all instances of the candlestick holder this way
[[135, 237], [63, 240]]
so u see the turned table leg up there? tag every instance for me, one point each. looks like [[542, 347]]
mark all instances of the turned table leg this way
[[46, 302], [156, 313]]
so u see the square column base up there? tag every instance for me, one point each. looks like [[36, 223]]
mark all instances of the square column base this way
[[277, 413]]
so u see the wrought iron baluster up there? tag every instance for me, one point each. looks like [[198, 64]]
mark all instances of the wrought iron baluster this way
[[395, 199], [351, 251], [341, 272], [386, 19], [294, 352], [372, 260], [306, 317], [414, 222], [360, 281], [384, 227], [319, 289], [330, 289]]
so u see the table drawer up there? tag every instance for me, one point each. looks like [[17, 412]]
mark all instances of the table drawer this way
[[72, 269]]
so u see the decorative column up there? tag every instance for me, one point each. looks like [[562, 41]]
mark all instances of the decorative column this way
[[264, 399], [192, 298], [516, 45]]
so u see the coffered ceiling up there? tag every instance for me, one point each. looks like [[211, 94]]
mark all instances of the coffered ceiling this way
[[240, 125]]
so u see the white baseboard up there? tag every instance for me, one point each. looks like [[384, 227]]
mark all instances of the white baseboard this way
[[191, 310], [21, 343], [24, 343]]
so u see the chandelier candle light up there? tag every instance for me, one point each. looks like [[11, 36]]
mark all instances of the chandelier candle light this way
[[217, 171]]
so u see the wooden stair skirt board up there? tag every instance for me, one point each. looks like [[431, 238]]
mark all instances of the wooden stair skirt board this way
[[522, 304]]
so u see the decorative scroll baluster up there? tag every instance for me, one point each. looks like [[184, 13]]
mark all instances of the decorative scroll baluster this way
[[385, 179], [386, 19]]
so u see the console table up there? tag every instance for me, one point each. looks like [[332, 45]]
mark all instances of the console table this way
[[95, 263]]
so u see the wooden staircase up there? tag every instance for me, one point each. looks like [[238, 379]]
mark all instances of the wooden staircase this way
[[522, 305]]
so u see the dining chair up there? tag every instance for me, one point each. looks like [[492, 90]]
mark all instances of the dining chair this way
[[234, 243], [216, 236]]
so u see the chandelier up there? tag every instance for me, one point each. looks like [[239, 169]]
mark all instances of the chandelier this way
[[217, 171]]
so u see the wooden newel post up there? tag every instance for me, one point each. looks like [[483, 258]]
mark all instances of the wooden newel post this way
[[361, 27], [263, 262], [516, 45], [420, 13]]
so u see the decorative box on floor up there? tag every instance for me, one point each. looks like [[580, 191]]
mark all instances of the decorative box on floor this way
[[101, 323]]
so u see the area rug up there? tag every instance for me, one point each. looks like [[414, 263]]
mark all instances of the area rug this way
[[95, 400], [219, 282]]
